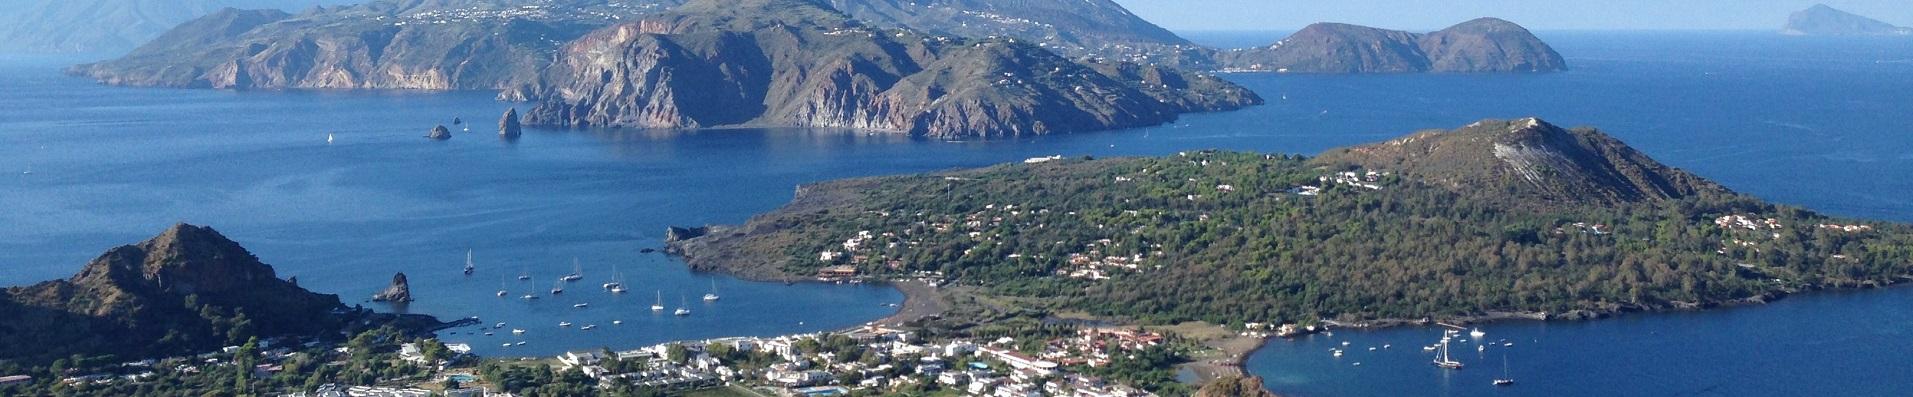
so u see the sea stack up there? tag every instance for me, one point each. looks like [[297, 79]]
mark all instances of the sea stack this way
[[508, 126], [440, 133], [400, 291]]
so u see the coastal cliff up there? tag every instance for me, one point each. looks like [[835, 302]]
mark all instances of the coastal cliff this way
[[1479, 46], [798, 63]]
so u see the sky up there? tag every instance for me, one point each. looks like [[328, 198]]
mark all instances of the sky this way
[[1199, 15]]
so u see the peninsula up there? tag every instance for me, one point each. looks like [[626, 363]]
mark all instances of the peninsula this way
[[1497, 219]]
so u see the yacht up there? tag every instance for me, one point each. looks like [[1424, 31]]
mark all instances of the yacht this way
[[499, 325], [581, 305], [564, 324], [1477, 334], [588, 327], [617, 280], [658, 307], [1504, 380], [617, 322], [468, 263], [502, 293], [1442, 359], [577, 272], [1336, 352], [712, 296], [517, 332], [683, 310], [529, 297], [521, 343]]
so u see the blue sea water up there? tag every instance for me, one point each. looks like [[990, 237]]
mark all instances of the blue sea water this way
[[1825, 124]]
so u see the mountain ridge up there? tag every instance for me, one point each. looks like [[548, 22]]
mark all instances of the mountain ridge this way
[[1822, 20], [1476, 46]]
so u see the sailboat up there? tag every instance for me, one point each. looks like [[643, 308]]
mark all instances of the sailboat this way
[[1504, 380], [683, 309], [1477, 334], [524, 275], [658, 307], [577, 272], [469, 268], [712, 296], [559, 288], [1441, 356], [617, 279], [328, 138]]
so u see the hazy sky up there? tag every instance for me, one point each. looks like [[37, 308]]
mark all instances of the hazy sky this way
[[1189, 15]]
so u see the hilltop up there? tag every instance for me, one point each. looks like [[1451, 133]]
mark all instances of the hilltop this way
[[1821, 20], [1493, 220], [187, 290]]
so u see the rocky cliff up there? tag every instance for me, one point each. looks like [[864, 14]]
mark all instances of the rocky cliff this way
[[188, 289], [387, 44], [1821, 20], [1477, 46], [1527, 160], [800, 63]]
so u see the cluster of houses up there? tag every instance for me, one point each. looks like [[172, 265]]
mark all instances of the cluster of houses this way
[[1584, 228], [1370, 180], [1744, 222], [1846, 228], [608, 12], [893, 359]]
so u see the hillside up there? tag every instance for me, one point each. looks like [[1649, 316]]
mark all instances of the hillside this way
[[1477, 46], [384, 44], [800, 63], [1821, 20], [187, 290], [1500, 218]]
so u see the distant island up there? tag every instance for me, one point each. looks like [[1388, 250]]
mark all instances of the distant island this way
[[1497, 219], [188, 290], [1821, 20], [1480, 45]]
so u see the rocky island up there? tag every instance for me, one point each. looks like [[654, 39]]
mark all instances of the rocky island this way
[[1477, 46], [1497, 219], [1821, 20], [187, 290]]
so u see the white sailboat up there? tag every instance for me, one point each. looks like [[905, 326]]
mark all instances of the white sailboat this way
[[1477, 334], [616, 285], [658, 307], [1441, 356], [328, 138], [683, 309], [469, 267], [712, 296], [577, 272], [559, 288], [1504, 380]]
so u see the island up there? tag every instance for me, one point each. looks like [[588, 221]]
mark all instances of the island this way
[[1480, 45], [1821, 20], [1500, 219]]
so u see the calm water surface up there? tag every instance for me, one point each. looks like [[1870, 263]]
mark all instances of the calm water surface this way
[[1820, 123]]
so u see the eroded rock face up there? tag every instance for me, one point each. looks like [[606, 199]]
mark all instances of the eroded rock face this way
[[1235, 386], [795, 63], [399, 291]]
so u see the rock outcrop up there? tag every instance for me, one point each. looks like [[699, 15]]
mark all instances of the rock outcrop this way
[[1234, 386], [798, 63], [509, 126], [675, 233], [1477, 46], [439, 133], [1821, 20], [1527, 160], [188, 289], [400, 291]]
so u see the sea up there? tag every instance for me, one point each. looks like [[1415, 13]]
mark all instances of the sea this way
[[341, 190]]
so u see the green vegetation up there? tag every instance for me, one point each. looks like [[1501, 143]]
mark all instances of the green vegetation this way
[[371, 358], [1227, 238]]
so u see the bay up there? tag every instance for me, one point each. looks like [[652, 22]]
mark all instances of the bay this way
[[1826, 124]]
